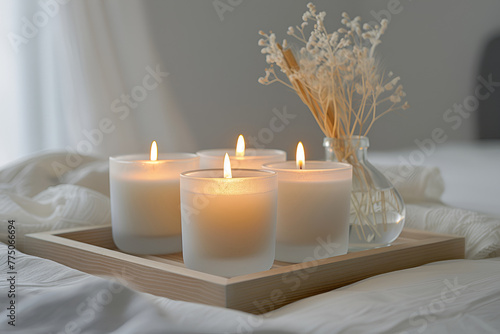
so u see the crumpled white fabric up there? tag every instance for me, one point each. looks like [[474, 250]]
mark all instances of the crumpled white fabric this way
[[46, 191], [93, 175], [57, 207], [461, 296], [30, 175], [415, 183], [482, 233]]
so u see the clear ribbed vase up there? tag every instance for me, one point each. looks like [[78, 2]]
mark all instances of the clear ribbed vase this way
[[377, 209]]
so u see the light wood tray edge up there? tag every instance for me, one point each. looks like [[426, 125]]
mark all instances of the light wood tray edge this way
[[249, 292]]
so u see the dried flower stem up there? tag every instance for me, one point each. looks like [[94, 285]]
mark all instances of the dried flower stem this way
[[338, 78], [336, 75]]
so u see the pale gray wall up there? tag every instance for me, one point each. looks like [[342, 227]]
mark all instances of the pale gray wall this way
[[433, 45]]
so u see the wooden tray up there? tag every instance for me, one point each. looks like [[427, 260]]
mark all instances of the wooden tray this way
[[92, 250]]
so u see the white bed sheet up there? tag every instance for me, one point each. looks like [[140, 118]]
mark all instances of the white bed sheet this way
[[461, 296]]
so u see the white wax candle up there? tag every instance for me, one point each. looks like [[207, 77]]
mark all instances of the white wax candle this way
[[145, 202], [313, 210], [228, 224], [253, 158]]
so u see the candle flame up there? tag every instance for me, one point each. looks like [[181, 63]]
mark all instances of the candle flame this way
[[240, 146], [153, 155], [300, 156], [227, 167]]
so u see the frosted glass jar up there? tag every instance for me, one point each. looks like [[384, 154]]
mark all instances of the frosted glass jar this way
[[145, 201], [313, 210], [229, 224]]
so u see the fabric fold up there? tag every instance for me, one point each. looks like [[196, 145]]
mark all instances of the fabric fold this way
[[482, 233], [415, 184], [59, 207]]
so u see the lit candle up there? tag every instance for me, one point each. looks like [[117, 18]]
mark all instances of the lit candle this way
[[228, 220], [240, 146], [242, 157], [313, 208], [145, 201]]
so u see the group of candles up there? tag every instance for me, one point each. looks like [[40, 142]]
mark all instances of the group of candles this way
[[230, 213]]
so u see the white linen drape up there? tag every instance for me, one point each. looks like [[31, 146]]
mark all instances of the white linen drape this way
[[90, 80]]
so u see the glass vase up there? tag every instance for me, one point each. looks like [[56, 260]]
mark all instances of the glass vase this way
[[377, 209]]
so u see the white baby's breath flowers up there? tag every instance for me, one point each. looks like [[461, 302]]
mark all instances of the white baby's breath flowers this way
[[335, 74]]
